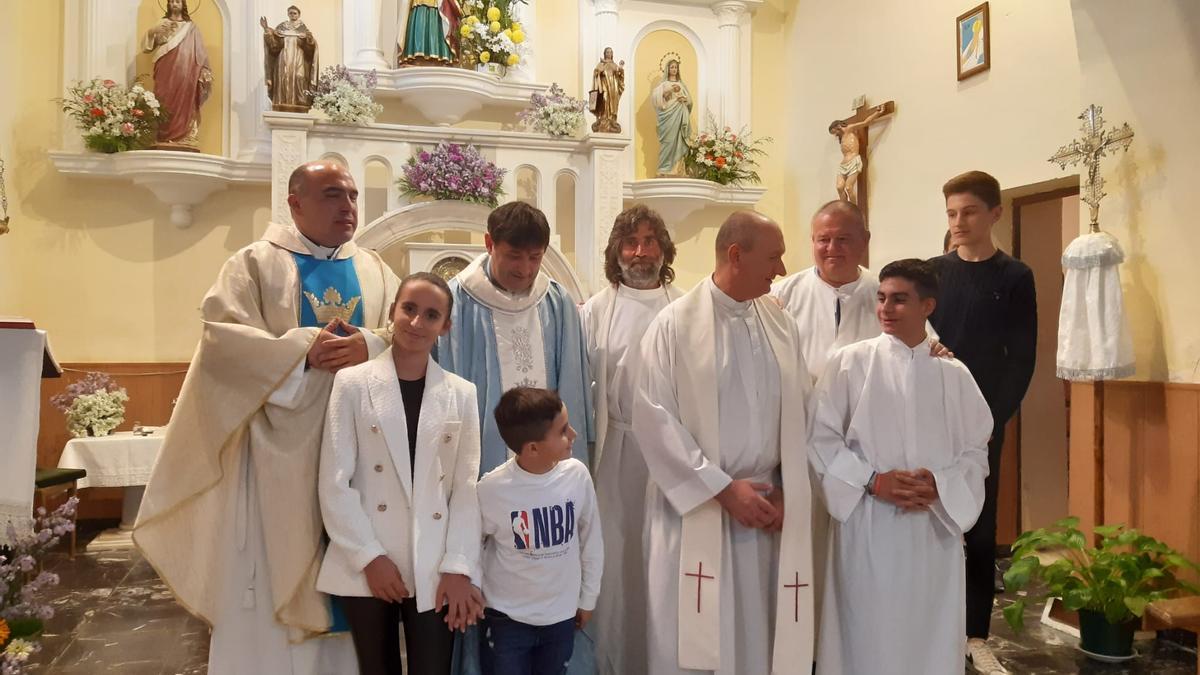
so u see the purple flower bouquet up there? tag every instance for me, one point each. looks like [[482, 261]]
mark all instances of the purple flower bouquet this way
[[452, 171]]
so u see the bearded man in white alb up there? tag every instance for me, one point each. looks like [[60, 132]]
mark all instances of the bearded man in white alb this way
[[637, 263]]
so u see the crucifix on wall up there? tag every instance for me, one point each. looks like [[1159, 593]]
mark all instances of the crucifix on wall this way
[[851, 179]]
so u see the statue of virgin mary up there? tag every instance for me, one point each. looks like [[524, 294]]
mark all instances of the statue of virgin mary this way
[[673, 104], [428, 32]]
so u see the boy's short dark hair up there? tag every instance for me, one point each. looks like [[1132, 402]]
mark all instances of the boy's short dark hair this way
[[921, 273], [977, 183], [524, 415], [519, 225]]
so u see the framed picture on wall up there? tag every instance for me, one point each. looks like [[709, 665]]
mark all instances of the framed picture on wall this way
[[973, 42]]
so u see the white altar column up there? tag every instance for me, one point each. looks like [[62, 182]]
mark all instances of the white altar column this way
[[250, 137], [289, 149], [734, 87], [600, 200], [97, 42], [361, 42]]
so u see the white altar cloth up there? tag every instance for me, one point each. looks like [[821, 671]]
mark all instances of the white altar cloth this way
[[121, 459], [21, 353]]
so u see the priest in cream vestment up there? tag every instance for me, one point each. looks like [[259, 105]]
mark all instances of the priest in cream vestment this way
[[900, 447], [230, 519], [721, 413], [637, 264]]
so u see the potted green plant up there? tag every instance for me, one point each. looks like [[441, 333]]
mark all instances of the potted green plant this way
[[1109, 584]]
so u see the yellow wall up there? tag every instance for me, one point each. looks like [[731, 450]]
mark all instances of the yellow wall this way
[[99, 265], [556, 44], [97, 262], [639, 93], [208, 22], [696, 237], [1141, 65]]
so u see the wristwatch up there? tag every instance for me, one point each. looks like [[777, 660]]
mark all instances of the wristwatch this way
[[870, 486]]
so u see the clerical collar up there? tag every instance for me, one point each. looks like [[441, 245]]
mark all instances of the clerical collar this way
[[845, 290], [317, 250], [640, 293], [723, 300]]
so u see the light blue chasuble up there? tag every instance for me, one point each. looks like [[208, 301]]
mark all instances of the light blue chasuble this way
[[328, 289], [470, 351]]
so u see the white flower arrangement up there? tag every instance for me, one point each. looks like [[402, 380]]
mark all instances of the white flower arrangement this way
[[100, 412], [553, 113], [113, 118], [94, 403], [345, 98]]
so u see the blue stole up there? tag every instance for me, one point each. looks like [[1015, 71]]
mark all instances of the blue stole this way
[[328, 289]]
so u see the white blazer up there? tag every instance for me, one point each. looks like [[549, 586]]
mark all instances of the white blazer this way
[[427, 520]]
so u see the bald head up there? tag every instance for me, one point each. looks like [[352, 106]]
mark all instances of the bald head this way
[[302, 174], [742, 228], [839, 237], [324, 202], [750, 251]]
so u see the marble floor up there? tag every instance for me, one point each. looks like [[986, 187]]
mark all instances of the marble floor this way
[[115, 616]]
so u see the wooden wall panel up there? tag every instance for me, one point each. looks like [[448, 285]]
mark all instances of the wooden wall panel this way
[[151, 387], [1150, 436], [1008, 494], [1084, 496]]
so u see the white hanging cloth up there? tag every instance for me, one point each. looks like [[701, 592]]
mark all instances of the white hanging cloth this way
[[1093, 337]]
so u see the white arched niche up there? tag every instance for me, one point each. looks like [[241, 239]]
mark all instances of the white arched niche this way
[[417, 221]]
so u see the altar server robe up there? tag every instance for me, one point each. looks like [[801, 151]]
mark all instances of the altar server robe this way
[[614, 321], [895, 593], [723, 395], [230, 518]]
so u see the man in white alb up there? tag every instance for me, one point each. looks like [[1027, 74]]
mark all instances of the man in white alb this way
[[721, 415], [899, 444], [637, 263], [834, 300]]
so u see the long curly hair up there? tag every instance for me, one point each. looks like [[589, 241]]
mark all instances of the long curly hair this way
[[625, 225]]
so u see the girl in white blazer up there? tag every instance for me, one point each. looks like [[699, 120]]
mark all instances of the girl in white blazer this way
[[399, 462]]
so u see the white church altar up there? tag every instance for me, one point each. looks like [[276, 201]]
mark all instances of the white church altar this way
[[581, 183]]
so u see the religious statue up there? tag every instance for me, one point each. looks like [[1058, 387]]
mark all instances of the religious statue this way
[[291, 63], [428, 32], [182, 77], [852, 161], [673, 105], [608, 82]]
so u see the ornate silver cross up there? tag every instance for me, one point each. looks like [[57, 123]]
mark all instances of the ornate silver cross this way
[[1089, 149]]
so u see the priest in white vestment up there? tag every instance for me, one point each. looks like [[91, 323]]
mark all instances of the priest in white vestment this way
[[721, 414], [514, 326], [899, 443], [230, 518], [637, 264]]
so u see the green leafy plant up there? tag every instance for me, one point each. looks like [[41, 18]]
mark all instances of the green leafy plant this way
[[1118, 578]]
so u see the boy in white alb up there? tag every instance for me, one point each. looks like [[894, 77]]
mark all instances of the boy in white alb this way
[[542, 550]]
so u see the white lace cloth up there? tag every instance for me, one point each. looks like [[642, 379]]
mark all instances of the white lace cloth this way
[[117, 460], [1093, 336]]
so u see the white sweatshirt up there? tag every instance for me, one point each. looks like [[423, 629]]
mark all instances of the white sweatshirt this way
[[542, 550]]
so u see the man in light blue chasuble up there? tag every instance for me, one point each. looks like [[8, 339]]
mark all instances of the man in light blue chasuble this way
[[512, 325], [428, 32], [230, 519]]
